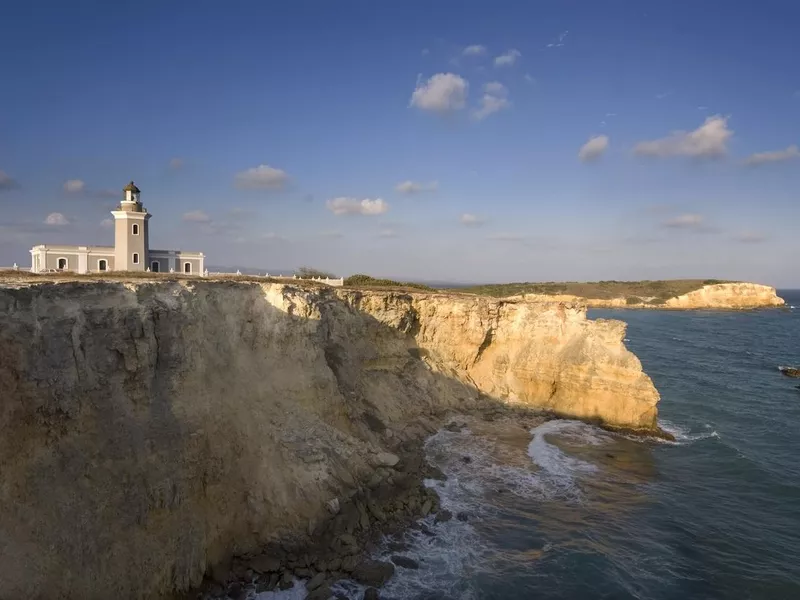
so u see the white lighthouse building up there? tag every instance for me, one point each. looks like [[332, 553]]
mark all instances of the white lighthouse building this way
[[131, 250]]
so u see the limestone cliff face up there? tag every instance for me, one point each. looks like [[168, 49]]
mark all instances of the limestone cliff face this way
[[728, 296], [149, 430]]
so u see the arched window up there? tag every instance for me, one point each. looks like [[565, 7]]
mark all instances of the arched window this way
[[135, 229], [155, 266], [136, 258], [187, 267], [102, 265], [63, 263]]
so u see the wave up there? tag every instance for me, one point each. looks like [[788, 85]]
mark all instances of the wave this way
[[683, 434]]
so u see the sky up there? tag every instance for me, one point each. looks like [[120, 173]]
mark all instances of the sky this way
[[457, 141]]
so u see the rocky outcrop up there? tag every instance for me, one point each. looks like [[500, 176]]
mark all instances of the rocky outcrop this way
[[724, 296], [150, 430], [728, 296]]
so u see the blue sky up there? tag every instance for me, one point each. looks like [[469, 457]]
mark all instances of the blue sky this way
[[462, 141]]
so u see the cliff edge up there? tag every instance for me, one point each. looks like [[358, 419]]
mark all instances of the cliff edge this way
[[720, 296], [148, 430]]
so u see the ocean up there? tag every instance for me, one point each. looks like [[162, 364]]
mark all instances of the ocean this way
[[568, 511]]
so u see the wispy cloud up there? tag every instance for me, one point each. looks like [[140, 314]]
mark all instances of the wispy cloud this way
[[751, 237], [107, 223], [710, 140], [56, 220], [559, 43], [594, 148], [494, 99], [425, 52], [761, 158], [387, 233], [507, 237], [352, 206], [689, 222], [176, 163], [196, 216], [471, 220], [74, 186], [507, 59], [443, 93], [474, 50], [331, 234], [262, 177], [662, 95], [415, 187], [527, 77], [7, 182]]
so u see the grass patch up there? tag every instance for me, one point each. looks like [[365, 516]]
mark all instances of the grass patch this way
[[632, 291]]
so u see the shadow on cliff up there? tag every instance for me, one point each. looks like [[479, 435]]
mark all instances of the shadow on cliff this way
[[149, 431]]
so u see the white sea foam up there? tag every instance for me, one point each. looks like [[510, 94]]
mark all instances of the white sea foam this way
[[553, 461], [297, 592], [683, 435]]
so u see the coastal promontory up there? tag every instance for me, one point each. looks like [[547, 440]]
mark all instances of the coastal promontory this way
[[152, 428]]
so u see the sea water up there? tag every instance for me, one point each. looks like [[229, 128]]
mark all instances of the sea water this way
[[568, 511]]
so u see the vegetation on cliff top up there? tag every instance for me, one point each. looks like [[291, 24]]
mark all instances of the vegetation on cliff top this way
[[369, 281], [658, 290]]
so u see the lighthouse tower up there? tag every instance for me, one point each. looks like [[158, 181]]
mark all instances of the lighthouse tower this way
[[131, 240]]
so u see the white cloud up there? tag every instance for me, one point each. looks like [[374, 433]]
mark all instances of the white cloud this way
[[710, 140], [442, 93], [686, 221], [594, 148], [7, 182], [387, 233], [56, 219], [353, 206], [507, 59], [196, 216], [413, 187], [471, 220], [107, 223], [494, 99], [560, 41], [262, 177], [760, 158], [74, 186], [175, 163], [474, 50]]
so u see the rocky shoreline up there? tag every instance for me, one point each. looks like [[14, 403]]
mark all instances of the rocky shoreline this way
[[391, 501], [340, 547]]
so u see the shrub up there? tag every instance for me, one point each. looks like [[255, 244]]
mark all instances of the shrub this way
[[633, 300], [310, 272], [362, 280]]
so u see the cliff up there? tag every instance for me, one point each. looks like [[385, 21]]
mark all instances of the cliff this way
[[149, 430], [724, 296], [728, 296]]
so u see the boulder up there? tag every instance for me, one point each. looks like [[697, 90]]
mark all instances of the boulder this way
[[790, 371], [265, 564], [373, 572], [405, 562], [321, 593], [443, 516], [315, 581], [371, 594], [386, 459]]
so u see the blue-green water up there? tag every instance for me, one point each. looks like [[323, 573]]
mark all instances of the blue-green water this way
[[715, 515], [568, 511]]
